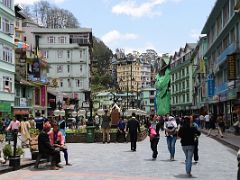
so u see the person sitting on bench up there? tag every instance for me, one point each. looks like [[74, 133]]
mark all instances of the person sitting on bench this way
[[46, 148], [57, 140]]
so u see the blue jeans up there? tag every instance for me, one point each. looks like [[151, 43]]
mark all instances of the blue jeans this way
[[188, 151], [171, 141]]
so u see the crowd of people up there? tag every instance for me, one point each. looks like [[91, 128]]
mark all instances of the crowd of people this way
[[51, 139]]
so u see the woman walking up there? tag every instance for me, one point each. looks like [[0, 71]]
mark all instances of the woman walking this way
[[187, 134], [153, 131], [170, 127]]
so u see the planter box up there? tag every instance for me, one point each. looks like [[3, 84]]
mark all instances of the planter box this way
[[14, 162], [82, 137]]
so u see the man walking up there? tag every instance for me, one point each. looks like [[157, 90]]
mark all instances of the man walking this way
[[133, 127]]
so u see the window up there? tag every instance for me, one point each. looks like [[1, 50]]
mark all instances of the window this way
[[60, 53], [151, 101], [225, 13], [17, 23], [62, 40], [7, 54], [51, 40], [80, 68], [45, 54], [233, 37], [61, 83], [7, 84], [187, 70], [69, 83], [7, 3], [82, 53], [7, 27], [68, 68], [183, 85], [59, 68], [151, 93], [0, 23], [68, 54], [187, 97]]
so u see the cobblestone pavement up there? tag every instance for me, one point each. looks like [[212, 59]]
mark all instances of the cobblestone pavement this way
[[115, 161]]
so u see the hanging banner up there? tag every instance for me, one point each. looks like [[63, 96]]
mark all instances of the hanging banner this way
[[231, 62], [36, 68], [202, 66], [43, 96], [210, 87]]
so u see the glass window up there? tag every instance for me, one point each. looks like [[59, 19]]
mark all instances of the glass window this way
[[61, 83], [7, 3], [68, 68], [60, 53], [59, 68], [7, 84], [51, 39], [69, 83], [62, 40], [68, 54], [7, 54], [80, 68]]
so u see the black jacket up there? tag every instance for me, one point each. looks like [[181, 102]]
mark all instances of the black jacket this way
[[133, 126], [187, 135], [44, 145]]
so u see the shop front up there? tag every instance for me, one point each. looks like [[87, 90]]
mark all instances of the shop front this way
[[21, 113]]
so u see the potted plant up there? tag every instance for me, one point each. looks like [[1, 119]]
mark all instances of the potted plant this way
[[8, 154]]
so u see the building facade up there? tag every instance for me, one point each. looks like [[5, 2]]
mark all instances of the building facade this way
[[147, 100], [7, 59], [199, 77], [181, 80], [69, 55], [222, 55]]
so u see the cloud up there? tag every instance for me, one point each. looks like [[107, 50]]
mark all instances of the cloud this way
[[195, 34], [115, 35], [25, 2], [141, 49], [30, 2], [131, 8]]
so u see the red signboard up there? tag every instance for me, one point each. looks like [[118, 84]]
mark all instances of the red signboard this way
[[21, 111]]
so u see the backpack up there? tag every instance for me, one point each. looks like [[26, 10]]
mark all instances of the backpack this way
[[152, 133]]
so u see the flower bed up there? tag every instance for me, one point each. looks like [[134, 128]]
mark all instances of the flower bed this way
[[80, 136]]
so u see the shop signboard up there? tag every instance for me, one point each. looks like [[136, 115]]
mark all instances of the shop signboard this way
[[210, 87], [5, 107], [232, 72]]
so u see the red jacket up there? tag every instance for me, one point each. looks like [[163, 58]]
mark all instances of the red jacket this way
[[60, 137]]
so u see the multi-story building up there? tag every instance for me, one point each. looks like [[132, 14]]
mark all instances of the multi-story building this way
[[147, 100], [199, 77], [222, 57], [7, 60], [128, 77], [181, 80], [145, 72], [69, 54], [23, 89]]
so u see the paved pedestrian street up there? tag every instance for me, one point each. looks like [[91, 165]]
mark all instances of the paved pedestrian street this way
[[115, 161]]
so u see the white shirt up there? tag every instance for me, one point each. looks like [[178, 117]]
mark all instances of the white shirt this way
[[207, 118]]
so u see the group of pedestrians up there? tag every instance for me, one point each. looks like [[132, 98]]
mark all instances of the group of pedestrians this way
[[184, 128]]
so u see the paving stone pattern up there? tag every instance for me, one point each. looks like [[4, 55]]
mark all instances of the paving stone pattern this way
[[115, 161]]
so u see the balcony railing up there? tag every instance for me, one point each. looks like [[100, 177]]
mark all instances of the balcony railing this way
[[27, 104], [223, 56], [221, 88]]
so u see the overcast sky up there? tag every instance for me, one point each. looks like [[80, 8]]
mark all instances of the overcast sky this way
[[162, 25]]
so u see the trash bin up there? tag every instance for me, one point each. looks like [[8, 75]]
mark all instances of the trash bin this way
[[90, 134]]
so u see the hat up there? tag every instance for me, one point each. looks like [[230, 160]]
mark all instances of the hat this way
[[170, 118]]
